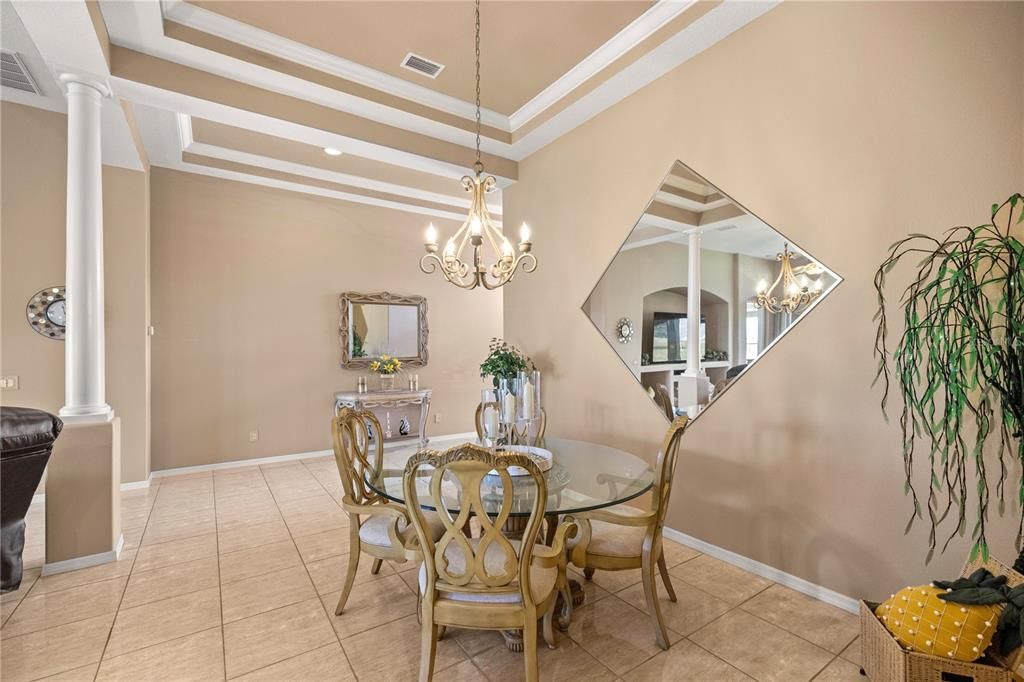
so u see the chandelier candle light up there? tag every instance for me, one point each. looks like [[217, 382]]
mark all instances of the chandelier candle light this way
[[478, 231], [797, 293]]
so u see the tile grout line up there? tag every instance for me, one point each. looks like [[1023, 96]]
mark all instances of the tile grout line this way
[[76, 620], [716, 656], [131, 569], [337, 636], [220, 585], [316, 592], [319, 598], [795, 634], [818, 674], [738, 607]]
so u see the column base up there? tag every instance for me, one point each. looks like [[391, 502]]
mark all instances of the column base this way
[[86, 414], [83, 496]]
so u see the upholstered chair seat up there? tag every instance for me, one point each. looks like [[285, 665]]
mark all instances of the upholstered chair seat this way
[[623, 538], [374, 531], [612, 539]]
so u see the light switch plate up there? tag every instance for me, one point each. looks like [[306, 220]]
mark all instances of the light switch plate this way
[[9, 383]]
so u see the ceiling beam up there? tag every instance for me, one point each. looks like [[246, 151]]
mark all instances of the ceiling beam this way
[[167, 84]]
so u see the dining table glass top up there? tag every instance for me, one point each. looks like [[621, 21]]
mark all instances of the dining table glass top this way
[[583, 476]]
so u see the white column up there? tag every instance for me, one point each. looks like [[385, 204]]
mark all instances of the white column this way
[[693, 357], [84, 350]]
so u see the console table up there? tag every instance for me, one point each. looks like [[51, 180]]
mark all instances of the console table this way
[[392, 408]]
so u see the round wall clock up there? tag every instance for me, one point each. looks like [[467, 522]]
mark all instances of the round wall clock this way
[[624, 328], [47, 313]]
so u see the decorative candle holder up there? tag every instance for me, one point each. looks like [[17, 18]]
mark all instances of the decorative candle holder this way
[[490, 417]]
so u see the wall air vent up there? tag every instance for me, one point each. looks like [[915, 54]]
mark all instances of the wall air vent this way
[[422, 65], [13, 73]]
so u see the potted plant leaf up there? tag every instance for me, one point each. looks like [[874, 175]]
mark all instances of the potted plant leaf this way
[[504, 361], [958, 366]]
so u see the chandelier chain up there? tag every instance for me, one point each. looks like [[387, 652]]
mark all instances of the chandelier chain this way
[[478, 233], [478, 166]]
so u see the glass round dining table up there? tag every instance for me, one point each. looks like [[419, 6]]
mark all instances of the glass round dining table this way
[[583, 476]]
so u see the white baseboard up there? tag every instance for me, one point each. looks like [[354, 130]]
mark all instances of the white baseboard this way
[[274, 459], [765, 571], [84, 561], [137, 485], [236, 463]]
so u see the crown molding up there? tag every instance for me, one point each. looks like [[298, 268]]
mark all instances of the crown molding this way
[[661, 13], [206, 21], [139, 26], [237, 156], [155, 97], [716, 25], [308, 189]]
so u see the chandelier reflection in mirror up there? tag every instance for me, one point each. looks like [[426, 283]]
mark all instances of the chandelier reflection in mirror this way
[[478, 231], [797, 292], [710, 288]]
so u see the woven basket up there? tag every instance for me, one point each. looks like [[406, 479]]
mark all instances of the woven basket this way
[[1015, 660], [884, 660]]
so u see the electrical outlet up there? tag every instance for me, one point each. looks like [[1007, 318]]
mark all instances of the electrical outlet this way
[[9, 383], [254, 436], [437, 419]]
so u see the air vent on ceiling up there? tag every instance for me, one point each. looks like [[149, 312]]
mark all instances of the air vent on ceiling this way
[[13, 73], [422, 65]]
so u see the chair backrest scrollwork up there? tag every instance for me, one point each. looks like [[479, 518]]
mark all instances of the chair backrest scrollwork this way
[[455, 563], [357, 455], [665, 470]]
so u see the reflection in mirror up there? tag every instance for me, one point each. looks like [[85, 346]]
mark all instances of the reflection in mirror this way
[[380, 329], [697, 265], [373, 325]]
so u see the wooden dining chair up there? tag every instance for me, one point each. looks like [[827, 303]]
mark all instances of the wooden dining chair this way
[[663, 399], [625, 538], [489, 582], [521, 436], [377, 526]]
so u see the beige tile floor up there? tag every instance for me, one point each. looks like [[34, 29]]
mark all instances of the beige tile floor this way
[[234, 575]]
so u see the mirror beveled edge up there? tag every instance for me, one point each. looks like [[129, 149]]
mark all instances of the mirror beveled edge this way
[[348, 298]]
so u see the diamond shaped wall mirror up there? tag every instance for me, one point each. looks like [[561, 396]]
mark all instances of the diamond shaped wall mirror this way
[[698, 265]]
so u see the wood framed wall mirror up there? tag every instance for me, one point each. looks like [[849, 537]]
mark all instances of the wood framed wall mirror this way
[[382, 324]]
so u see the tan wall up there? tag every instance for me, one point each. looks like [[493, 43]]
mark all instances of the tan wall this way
[[245, 286], [33, 185], [33, 158], [844, 125], [126, 267]]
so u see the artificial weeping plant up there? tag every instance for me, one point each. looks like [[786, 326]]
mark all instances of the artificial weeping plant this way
[[959, 366]]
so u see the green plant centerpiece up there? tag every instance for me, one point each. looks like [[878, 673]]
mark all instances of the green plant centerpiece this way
[[959, 365], [504, 361]]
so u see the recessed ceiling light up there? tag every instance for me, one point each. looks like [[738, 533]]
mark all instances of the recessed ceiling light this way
[[332, 151]]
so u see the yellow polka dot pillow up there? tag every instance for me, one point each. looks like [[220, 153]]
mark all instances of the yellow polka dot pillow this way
[[921, 621]]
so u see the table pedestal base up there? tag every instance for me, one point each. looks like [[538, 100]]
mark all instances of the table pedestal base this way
[[514, 638]]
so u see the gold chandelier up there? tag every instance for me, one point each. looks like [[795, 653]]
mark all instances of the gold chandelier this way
[[478, 231], [797, 293]]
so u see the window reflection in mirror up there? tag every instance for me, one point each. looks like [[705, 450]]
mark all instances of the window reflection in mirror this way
[[381, 329], [750, 286]]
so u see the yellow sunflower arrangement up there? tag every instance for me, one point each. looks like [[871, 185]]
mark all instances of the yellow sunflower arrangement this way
[[386, 364]]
